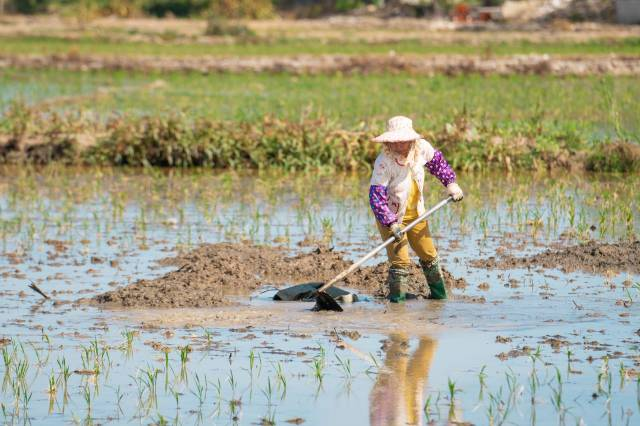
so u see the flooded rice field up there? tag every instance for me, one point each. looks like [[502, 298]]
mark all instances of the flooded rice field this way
[[542, 326]]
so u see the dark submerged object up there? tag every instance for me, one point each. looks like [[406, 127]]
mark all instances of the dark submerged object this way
[[308, 292]]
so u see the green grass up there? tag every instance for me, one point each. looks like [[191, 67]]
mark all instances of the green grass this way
[[103, 46], [590, 105], [298, 122]]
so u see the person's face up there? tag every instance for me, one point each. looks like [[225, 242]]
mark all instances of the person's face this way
[[401, 148]]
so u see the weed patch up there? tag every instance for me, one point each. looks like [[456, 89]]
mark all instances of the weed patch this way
[[42, 137]]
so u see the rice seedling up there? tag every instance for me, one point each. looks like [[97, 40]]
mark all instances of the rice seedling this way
[[374, 366], [161, 421], [201, 388], [166, 370], [7, 358], [511, 382], [318, 366], [119, 397], [482, 377], [453, 390], [281, 379], [252, 362], [52, 389], [45, 338], [86, 393], [150, 379], [268, 420], [426, 408], [26, 399], [129, 336], [176, 397], [64, 373], [36, 352], [184, 354], [569, 355], [345, 365], [268, 392], [21, 369], [604, 375], [557, 395], [208, 335], [217, 385]]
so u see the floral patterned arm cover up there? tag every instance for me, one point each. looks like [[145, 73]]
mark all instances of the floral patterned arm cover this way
[[439, 168], [378, 198]]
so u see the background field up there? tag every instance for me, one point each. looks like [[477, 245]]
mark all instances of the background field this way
[[594, 106], [103, 45]]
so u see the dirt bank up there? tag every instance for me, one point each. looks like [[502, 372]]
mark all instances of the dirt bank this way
[[208, 275], [328, 64], [590, 257], [366, 29]]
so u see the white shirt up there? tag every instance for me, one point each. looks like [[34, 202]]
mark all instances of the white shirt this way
[[392, 172]]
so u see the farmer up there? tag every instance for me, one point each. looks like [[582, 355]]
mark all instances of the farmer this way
[[395, 196]]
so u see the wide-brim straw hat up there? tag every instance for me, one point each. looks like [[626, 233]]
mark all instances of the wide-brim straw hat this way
[[399, 129]]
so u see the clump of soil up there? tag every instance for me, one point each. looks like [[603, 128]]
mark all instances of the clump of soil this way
[[208, 275], [589, 257]]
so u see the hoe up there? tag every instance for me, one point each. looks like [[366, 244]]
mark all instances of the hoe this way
[[324, 302]]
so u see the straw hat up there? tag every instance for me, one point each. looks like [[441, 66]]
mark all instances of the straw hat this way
[[399, 129]]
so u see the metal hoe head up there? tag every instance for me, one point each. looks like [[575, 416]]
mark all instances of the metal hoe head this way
[[324, 302]]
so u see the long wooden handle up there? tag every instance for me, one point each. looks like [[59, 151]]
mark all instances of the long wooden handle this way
[[375, 251]]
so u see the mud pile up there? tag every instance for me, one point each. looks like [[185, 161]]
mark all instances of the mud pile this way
[[208, 275], [590, 257], [328, 64]]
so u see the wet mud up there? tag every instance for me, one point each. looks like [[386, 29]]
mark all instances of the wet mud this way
[[212, 274], [327, 64], [592, 257]]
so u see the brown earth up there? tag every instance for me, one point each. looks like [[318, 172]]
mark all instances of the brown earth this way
[[208, 275], [590, 257], [323, 64], [336, 28]]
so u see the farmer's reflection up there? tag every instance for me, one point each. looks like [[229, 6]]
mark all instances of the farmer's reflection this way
[[397, 396]]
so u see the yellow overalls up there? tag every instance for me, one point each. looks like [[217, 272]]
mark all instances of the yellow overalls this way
[[419, 237]]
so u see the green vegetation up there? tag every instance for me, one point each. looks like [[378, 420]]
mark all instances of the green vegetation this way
[[177, 141], [254, 46], [160, 8], [306, 122], [584, 106]]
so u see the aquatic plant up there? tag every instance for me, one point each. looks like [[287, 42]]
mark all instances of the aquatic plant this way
[[252, 362], [482, 377], [281, 379], [453, 390], [129, 335], [318, 366], [346, 367], [201, 387]]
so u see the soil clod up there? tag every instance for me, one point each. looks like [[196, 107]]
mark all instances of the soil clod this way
[[210, 274], [590, 257]]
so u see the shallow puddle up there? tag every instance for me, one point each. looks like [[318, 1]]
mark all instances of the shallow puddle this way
[[534, 346]]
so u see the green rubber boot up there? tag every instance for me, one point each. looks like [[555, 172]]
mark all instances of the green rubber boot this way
[[435, 280], [397, 282]]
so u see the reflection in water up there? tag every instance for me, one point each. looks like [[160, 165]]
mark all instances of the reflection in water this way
[[397, 396]]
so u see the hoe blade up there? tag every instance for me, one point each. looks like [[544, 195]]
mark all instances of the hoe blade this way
[[324, 302]]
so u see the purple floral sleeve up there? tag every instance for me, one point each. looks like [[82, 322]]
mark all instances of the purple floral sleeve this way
[[378, 200], [439, 168]]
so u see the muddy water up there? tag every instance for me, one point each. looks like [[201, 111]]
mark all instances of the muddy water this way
[[78, 233]]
